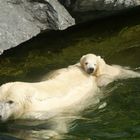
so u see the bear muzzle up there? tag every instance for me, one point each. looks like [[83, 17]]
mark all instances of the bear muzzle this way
[[90, 70]]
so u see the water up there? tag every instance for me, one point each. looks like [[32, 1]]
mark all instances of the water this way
[[117, 40]]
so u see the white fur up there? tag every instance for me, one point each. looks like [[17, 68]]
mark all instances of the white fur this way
[[70, 87], [105, 73]]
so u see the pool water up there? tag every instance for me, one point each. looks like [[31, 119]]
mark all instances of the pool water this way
[[117, 40]]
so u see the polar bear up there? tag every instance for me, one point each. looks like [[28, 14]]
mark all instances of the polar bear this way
[[40, 100], [105, 74]]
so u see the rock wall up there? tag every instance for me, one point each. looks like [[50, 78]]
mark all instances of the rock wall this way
[[90, 5], [21, 20], [84, 10]]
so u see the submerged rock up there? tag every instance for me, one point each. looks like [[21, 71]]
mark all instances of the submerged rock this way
[[20, 20]]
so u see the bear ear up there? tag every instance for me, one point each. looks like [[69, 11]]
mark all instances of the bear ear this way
[[81, 60], [99, 57], [100, 60], [100, 66]]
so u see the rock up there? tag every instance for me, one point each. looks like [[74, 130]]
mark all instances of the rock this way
[[20, 20], [85, 10], [90, 5]]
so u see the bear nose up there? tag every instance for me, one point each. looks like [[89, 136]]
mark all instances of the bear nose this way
[[90, 70]]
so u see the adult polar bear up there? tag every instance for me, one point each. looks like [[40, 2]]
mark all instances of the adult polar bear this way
[[21, 100], [104, 73]]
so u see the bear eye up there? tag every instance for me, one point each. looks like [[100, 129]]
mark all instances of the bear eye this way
[[86, 63], [10, 102]]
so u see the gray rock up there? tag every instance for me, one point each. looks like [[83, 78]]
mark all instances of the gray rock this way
[[85, 10], [20, 20], [90, 5]]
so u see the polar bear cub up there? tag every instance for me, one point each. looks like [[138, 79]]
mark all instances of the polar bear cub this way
[[105, 73]]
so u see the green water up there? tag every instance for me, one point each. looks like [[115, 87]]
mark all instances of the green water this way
[[117, 40]]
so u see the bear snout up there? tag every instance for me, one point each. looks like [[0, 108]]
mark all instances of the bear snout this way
[[1, 118], [90, 70], [1, 112], [4, 111]]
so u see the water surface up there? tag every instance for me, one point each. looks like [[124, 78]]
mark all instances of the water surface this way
[[117, 40]]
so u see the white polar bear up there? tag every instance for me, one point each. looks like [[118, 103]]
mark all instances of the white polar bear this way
[[95, 65], [21, 100]]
